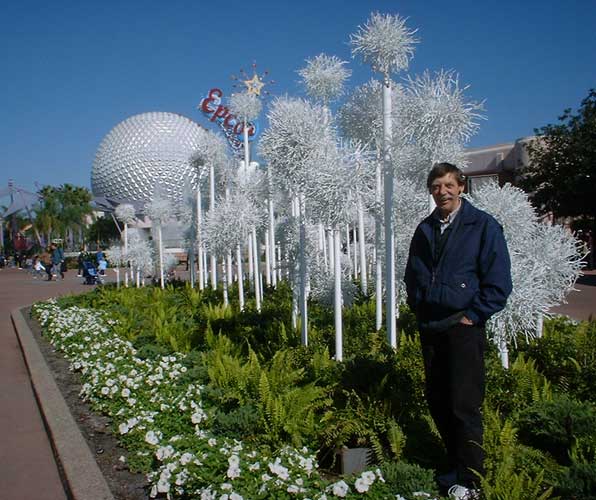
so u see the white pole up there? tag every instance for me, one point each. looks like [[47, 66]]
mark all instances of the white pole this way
[[348, 250], [250, 260], [205, 266], [388, 199], [330, 247], [337, 298], [211, 208], [159, 242], [246, 145], [267, 260], [355, 240], [323, 246], [224, 279], [504, 353], [279, 276], [229, 263], [539, 325], [240, 277], [303, 296], [361, 241], [256, 270], [117, 271], [126, 261], [272, 242], [199, 243], [378, 243], [258, 266]]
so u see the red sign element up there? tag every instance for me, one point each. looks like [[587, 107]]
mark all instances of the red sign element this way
[[221, 114]]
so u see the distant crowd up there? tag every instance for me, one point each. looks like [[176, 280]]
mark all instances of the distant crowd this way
[[51, 263]]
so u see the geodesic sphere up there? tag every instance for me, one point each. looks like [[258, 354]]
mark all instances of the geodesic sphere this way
[[144, 150]]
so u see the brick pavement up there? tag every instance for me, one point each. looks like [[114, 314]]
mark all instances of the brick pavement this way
[[28, 470]]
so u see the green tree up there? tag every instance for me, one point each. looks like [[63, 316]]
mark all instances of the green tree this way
[[62, 212], [103, 230], [561, 175]]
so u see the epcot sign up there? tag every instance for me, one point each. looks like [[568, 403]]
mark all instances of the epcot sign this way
[[231, 126]]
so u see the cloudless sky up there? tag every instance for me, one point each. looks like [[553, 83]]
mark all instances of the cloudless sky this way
[[72, 70]]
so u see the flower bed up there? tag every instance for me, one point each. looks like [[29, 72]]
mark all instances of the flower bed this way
[[161, 421]]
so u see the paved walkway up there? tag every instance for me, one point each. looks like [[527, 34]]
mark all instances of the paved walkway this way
[[28, 470]]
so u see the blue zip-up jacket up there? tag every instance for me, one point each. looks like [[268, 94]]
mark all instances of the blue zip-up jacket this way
[[472, 278]]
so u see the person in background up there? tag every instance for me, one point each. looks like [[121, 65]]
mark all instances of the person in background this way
[[57, 260], [99, 255], [80, 261]]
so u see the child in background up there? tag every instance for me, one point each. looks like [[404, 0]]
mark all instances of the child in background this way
[[38, 268], [103, 265]]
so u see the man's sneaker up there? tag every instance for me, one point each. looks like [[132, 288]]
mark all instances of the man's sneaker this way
[[458, 492]]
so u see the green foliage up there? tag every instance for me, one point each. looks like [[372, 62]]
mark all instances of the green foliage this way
[[514, 389], [578, 482], [409, 478], [557, 426], [566, 355], [513, 472]]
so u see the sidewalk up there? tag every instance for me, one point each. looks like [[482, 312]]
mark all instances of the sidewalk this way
[[581, 304], [28, 469]]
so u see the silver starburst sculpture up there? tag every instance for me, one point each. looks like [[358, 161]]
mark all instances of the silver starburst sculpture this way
[[159, 210], [545, 264], [384, 42], [387, 44], [126, 213], [246, 106], [324, 77]]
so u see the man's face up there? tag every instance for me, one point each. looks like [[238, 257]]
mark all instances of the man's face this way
[[446, 191]]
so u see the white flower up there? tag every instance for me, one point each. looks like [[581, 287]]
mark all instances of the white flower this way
[[212, 442], [123, 428], [233, 472], [186, 458], [235, 496], [368, 477], [226, 486], [361, 485], [163, 486], [125, 392], [151, 437], [421, 494], [105, 390], [254, 467], [340, 489], [164, 452]]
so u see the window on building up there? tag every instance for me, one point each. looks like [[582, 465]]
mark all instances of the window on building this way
[[477, 181]]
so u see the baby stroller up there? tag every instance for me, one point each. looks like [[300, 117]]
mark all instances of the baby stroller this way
[[90, 274]]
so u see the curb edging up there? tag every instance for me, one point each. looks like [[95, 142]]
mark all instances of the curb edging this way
[[83, 477]]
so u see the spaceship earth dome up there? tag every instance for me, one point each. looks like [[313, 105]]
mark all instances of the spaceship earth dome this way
[[145, 150]]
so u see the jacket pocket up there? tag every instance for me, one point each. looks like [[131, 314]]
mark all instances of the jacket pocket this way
[[458, 291]]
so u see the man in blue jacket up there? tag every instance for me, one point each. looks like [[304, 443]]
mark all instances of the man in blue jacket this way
[[457, 276]]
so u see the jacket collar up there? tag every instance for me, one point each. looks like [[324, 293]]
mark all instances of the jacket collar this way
[[467, 212]]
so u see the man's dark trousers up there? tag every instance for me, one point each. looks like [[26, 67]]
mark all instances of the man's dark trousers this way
[[454, 369]]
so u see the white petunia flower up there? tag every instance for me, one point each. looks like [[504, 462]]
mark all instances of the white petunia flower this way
[[361, 485], [340, 489]]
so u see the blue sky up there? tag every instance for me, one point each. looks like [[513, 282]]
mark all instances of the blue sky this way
[[71, 71]]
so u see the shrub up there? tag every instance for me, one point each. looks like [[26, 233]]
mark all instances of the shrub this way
[[556, 426], [409, 478]]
